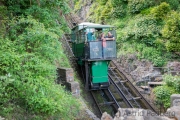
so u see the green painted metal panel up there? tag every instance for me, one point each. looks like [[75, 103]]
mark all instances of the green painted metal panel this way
[[99, 71], [79, 49]]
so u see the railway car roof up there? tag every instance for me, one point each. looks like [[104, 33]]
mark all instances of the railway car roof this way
[[92, 25]]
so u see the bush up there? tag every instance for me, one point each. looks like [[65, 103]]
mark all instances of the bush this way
[[77, 5], [30, 51], [172, 81], [159, 44], [143, 52], [119, 11], [174, 4], [142, 29], [151, 54], [135, 6], [102, 2], [119, 8], [163, 94], [160, 11], [31, 64], [170, 32], [106, 12]]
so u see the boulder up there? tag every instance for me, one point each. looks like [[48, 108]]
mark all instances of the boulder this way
[[174, 112], [175, 100], [106, 116]]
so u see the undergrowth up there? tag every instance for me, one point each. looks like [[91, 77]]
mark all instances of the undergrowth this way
[[30, 53]]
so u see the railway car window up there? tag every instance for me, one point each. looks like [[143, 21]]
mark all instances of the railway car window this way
[[113, 32], [80, 36], [73, 36], [77, 37], [90, 32]]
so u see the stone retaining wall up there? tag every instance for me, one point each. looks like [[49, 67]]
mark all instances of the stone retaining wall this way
[[66, 77]]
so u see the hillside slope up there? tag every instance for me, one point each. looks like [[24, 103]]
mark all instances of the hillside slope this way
[[146, 30], [30, 53]]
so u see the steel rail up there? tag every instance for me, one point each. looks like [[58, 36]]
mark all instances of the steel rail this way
[[147, 104], [121, 93], [96, 103], [113, 98], [123, 87]]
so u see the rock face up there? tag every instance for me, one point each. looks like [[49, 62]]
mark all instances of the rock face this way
[[139, 70], [84, 9], [174, 67], [144, 70]]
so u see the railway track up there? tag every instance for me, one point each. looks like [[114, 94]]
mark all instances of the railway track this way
[[105, 100], [121, 93], [130, 93]]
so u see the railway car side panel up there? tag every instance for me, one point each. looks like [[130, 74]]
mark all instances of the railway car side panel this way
[[99, 71], [79, 48], [95, 50], [110, 49]]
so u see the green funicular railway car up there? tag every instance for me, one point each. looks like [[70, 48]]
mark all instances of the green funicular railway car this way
[[92, 54]]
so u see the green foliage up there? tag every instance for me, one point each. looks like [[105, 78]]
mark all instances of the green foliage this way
[[20, 6], [144, 30], [151, 54], [106, 12], [150, 35], [119, 8], [119, 11], [5, 81], [102, 2], [35, 38], [161, 11], [164, 92], [78, 5], [171, 32], [143, 52], [101, 12], [174, 4], [30, 54], [135, 6], [34, 68], [3, 20], [159, 44], [146, 11], [172, 81]]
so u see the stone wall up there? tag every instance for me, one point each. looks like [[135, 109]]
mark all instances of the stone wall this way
[[66, 77]]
